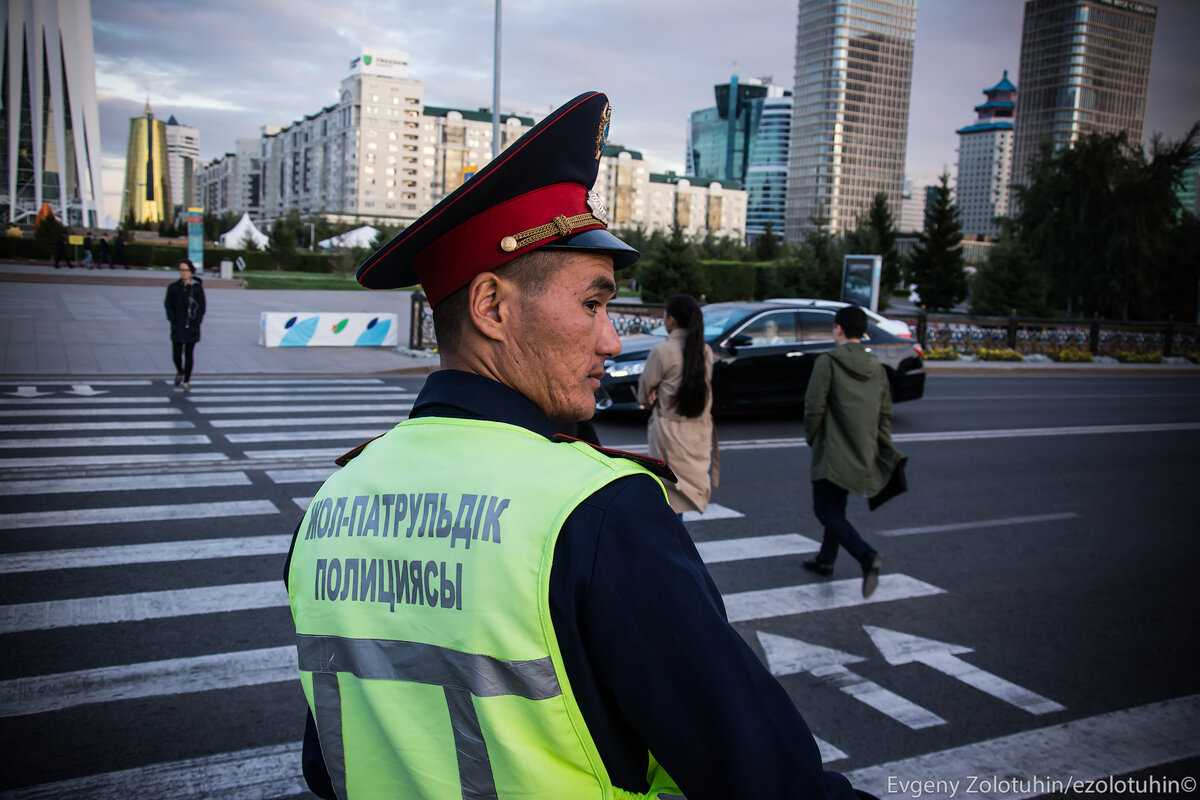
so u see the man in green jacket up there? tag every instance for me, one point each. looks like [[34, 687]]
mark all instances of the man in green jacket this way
[[848, 425]]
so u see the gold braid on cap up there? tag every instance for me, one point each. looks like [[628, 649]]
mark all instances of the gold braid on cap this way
[[559, 226]]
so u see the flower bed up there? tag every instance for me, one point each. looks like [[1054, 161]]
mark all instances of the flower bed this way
[[1133, 357], [1071, 355], [998, 354], [941, 354]]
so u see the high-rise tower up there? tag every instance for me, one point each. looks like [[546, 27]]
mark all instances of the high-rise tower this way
[[1085, 65], [50, 125], [850, 118], [985, 161], [147, 195]]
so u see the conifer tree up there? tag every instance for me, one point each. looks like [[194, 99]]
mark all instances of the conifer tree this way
[[937, 260]]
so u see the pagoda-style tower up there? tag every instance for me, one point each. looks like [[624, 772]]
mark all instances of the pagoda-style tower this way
[[985, 161]]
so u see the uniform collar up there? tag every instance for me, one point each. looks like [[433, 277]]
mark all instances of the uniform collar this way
[[480, 398]]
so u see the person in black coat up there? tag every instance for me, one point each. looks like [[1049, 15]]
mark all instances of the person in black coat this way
[[185, 311], [119, 252], [60, 251], [104, 255]]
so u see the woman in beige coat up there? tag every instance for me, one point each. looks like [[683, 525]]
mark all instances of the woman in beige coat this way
[[676, 385]]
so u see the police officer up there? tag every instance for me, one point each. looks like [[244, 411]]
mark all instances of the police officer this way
[[487, 609]]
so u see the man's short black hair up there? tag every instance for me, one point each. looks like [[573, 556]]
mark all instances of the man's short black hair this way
[[531, 272], [853, 321]]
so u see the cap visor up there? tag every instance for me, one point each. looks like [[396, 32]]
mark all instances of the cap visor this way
[[599, 241]]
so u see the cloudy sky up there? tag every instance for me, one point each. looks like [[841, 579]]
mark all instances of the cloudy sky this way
[[230, 67]]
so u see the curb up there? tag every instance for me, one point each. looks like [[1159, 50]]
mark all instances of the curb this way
[[148, 280], [1060, 371]]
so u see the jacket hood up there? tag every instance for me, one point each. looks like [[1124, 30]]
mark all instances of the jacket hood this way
[[856, 361]]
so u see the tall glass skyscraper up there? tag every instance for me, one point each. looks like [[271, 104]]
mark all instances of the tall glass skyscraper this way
[[1085, 65], [50, 124], [850, 110], [767, 170], [743, 141], [147, 195]]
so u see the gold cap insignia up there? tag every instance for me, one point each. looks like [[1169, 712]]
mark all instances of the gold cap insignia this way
[[602, 129]]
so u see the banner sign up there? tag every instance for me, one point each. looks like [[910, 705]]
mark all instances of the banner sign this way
[[860, 280], [195, 228], [327, 329]]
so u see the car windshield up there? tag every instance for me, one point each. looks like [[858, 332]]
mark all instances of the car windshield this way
[[717, 319]]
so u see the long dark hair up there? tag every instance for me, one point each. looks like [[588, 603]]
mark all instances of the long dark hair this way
[[693, 387]]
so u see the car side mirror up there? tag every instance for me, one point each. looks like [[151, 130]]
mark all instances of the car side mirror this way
[[741, 340]]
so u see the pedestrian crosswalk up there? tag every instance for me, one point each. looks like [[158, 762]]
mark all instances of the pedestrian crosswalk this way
[[160, 538]]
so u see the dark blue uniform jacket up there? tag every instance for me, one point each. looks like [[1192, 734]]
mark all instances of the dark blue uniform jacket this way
[[653, 662]]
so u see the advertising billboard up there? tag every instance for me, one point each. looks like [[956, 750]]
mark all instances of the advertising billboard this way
[[860, 280]]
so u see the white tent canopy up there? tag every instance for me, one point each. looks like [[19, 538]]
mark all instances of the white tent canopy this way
[[234, 237], [359, 237]]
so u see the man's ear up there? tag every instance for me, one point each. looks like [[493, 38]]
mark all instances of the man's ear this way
[[489, 299]]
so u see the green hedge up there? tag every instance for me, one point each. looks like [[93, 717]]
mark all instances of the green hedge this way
[[149, 255]]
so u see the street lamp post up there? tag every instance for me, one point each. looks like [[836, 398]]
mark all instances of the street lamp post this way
[[496, 87]]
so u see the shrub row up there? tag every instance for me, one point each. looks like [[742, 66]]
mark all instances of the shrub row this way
[[149, 255], [1133, 357], [1073, 355]]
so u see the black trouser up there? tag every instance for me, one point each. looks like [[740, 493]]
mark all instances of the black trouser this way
[[829, 503], [182, 353]]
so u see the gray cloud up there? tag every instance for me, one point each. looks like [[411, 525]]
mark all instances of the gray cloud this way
[[231, 67]]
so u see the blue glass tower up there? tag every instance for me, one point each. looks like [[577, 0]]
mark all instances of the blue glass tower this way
[[724, 145]]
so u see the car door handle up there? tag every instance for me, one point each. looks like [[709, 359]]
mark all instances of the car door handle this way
[[796, 354]]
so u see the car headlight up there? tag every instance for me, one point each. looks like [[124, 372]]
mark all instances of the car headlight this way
[[624, 369]]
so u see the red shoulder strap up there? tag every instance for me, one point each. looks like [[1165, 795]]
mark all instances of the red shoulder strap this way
[[654, 465]]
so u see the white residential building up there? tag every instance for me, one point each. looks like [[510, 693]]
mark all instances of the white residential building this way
[[699, 208], [623, 182], [233, 182], [183, 159]]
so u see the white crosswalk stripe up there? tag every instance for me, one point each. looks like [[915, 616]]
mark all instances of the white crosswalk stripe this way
[[74, 413], [130, 483], [331, 408], [79, 442], [72, 427], [791, 600], [302, 436], [157, 552], [198, 394], [80, 401], [121, 459], [43, 693], [128, 514], [297, 422], [310, 398], [317, 475]]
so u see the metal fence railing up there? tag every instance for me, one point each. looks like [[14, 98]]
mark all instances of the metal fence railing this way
[[965, 334], [628, 318], [1028, 335]]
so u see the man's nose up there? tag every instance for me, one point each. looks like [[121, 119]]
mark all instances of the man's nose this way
[[609, 345]]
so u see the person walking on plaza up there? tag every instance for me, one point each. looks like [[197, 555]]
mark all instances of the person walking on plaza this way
[[485, 608], [103, 254], [118, 256], [676, 385], [87, 251], [185, 311], [60, 250], [848, 425]]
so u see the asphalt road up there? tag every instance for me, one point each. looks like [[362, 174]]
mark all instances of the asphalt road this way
[[1048, 543]]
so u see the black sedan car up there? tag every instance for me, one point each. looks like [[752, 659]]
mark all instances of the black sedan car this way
[[764, 354]]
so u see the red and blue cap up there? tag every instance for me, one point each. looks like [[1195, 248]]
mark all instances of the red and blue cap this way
[[536, 195]]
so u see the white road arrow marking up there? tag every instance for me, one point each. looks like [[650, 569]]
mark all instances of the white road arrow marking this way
[[27, 391], [903, 648], [85, 390], [786, 656]]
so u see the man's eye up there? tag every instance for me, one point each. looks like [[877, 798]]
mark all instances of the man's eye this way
[[593, 305]]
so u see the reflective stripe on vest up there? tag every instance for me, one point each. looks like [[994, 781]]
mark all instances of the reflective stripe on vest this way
[[419, 586]]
